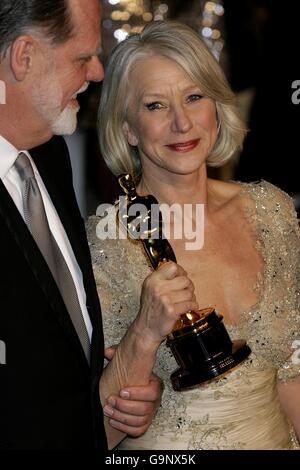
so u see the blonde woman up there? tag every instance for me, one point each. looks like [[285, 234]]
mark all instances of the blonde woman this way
[[166, 114]]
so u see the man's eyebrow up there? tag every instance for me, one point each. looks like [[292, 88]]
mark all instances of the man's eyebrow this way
[[96, 52]]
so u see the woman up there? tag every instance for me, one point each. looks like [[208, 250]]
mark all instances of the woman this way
[[166, 114]]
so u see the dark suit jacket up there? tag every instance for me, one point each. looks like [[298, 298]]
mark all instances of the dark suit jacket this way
[[49, 393]]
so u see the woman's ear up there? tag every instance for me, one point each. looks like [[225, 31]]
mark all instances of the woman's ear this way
[[21, 56], [129, 134]]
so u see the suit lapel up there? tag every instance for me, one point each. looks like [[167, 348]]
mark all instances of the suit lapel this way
[[20, 233], [64, 207], [70, 217], [64, 200]]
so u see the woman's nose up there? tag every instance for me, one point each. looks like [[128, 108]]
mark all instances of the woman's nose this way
[[181, 121]]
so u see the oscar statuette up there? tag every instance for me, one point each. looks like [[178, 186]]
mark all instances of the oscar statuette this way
[[199, 340]]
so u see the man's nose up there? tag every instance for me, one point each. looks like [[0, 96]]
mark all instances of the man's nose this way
[[95, 71]]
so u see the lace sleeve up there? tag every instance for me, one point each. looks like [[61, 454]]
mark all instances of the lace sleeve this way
[[119, 268], [279, 242], [291, 366]]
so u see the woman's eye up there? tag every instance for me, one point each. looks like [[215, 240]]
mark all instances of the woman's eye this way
[[194, 98], [153, 106]]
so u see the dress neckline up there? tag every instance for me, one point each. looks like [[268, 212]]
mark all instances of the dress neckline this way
[[252, 216]]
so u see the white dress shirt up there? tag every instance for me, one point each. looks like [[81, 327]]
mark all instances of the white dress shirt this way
[[13, 184]]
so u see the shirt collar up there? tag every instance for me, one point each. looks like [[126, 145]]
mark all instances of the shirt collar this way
[[8, 156]]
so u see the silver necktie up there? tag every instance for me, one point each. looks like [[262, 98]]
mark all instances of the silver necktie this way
[[36, 220]]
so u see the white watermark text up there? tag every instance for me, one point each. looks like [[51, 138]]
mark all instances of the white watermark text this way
[[160, 221]]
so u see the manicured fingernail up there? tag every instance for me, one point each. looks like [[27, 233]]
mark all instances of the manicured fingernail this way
[[124, 394], [112, 401], [108, 411], [114, 424]]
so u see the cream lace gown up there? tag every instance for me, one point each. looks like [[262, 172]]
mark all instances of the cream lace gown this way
[[240, 410]]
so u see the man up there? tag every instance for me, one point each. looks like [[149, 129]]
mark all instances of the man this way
[[54, 358]]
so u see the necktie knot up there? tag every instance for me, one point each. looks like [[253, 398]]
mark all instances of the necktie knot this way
[[24, 167]]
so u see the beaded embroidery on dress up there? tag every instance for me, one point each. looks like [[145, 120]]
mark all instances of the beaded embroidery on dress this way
[[240, 410]]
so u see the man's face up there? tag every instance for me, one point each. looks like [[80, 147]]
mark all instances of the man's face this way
[[66, 70]]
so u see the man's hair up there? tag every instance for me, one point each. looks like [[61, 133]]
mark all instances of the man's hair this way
[[20, 16]]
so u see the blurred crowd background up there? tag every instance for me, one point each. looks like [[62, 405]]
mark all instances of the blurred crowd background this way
[[256, 42]]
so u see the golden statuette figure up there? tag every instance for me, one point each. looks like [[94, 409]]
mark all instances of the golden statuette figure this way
[[199, 340]]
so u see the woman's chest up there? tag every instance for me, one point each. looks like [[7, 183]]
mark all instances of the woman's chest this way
[[224, 274]]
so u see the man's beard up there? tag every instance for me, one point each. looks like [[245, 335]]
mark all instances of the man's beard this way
[[48, 103], [66, 122]]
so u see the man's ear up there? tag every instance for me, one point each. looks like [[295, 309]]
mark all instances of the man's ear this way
[[21, 56], [129, 134]]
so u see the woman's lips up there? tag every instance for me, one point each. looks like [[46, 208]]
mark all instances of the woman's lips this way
[[184, 146]]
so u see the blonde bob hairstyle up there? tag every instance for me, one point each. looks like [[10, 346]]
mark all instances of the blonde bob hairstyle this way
[[182, 45]]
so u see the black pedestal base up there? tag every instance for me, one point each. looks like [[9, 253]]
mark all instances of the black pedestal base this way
[[204, 350], [184, 379]]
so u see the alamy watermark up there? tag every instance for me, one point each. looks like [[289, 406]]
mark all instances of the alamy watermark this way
[[180, 222], [296, 94], [2, 92], [2, 353]]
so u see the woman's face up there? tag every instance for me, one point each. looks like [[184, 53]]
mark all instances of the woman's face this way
[[169, 121]]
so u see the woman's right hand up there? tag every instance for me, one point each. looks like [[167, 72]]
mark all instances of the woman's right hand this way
[[166, 294]]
